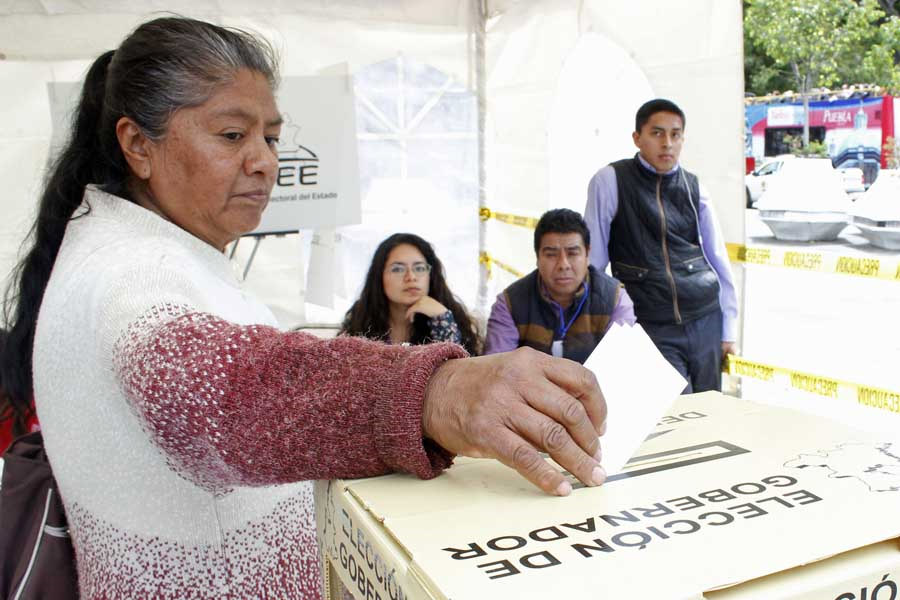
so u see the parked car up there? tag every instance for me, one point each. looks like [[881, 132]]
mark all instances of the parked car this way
[[805, 201], [877, 212], [759, 180]]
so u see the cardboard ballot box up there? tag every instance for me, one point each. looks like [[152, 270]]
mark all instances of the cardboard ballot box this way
[[725, 500]]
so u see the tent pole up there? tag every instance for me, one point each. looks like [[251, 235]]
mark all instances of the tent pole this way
[[479, 19]]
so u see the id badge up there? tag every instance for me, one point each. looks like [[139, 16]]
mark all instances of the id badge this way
[[557, 348]]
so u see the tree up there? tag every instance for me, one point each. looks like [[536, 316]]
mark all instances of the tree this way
[[821, 42], [813, 149], [761, 75], [890, 7], [875, 56]]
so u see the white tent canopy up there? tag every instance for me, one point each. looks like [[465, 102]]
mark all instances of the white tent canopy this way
[[558, 80]]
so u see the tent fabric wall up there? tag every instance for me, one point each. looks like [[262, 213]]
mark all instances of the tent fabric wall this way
[[56, 41], [690, 52], [433, 12]]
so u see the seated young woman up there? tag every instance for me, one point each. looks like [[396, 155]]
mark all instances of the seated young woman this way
[[406, 300]]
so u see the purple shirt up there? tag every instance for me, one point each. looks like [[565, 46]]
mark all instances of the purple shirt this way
[[602, 204], [503, 335]]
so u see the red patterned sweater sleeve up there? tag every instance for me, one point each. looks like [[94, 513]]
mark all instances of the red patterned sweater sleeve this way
[[250, 405]]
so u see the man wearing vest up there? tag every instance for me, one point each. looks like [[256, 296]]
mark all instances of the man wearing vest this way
[[654, 222], [563, 307]]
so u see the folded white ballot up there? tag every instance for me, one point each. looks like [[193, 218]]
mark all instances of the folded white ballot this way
[[639, 385]]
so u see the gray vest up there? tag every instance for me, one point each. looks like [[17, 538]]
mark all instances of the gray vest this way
[[537, 319]]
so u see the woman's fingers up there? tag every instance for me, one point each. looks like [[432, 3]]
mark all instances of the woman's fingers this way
[[419, 306], [513, 406], [426, 305], [548, 399], [554, 438], [581, 384], [516, 453]]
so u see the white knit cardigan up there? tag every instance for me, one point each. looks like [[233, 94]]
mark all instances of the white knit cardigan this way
[[142, 526]]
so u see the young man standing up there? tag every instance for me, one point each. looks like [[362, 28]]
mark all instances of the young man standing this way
[[564, 306], [651, 219]]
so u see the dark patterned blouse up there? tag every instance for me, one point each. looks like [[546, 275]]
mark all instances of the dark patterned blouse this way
[[443, 328]]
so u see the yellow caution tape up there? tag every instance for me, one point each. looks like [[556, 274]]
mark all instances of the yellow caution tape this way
[[485, 213], [488, 260], [822, 262], [828, 387], [485, 259]]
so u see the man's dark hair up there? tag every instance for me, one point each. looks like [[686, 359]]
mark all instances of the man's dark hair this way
[[561, 220], [648, 109]]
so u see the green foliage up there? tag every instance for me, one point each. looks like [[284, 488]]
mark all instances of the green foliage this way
[[813, 149], [815, 43], [761, 74]]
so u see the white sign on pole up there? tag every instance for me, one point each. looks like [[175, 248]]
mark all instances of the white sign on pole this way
[[318, 174]]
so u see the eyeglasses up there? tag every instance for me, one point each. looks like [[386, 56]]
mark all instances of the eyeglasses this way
[[419, 269]]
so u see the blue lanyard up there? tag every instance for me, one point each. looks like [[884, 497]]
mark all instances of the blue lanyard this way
[[565, 330]]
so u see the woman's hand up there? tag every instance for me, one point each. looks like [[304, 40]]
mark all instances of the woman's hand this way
[[427, 306], [514, 405]]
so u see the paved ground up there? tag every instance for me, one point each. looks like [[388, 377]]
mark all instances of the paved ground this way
[[834, 325]]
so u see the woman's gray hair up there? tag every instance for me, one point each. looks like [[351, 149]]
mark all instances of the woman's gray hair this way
[[164, 65], [175, 62]]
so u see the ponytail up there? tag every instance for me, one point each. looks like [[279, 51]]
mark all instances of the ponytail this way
[[86, 158]]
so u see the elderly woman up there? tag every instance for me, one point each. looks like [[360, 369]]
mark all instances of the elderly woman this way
[[405, 299], [183, 427]]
